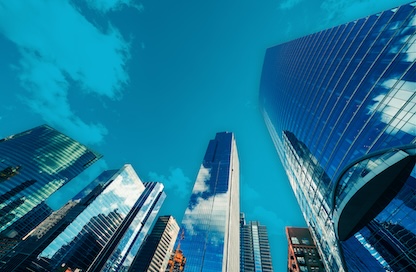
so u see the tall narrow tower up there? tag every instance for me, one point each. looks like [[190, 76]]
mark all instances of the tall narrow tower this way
[[211, 222], [255, 248]]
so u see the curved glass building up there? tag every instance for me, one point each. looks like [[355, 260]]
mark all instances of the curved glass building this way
[[340, 106]]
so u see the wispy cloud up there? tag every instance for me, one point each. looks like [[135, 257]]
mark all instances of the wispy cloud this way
[[111, 5], [207, 210], [201, 186], [288, 4], [274, 224], [176, 184], [397, 107], [248, 193], [410, 47], [339, 11], [61, 51]]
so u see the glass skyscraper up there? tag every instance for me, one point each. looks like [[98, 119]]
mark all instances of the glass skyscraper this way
[[101, 229], [33, 165], [254, 247], [211, 222], [340, 106]]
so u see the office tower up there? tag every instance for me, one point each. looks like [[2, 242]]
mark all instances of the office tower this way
[[101, 229], [154, 254], [340, 107], [33, 165], [211, 221], [302, 252], [35, 241], [254, 248]]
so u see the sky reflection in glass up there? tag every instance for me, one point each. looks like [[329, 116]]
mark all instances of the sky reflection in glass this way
[[211, 221], [332, 97], [110, 230]]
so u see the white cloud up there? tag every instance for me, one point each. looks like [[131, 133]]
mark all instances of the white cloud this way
[[129, 191], [176, 184], [112, 5], [248, 193], [410, 48], [59, 47], [288, 4], [402, 97], [340, 11], [206, 213], [268, 218], [404, 85], [201, 186]]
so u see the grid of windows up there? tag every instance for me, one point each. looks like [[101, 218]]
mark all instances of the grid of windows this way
[[103, 232], [155, 252], [302, 252], [332, 98], [33, 165], [255, 248], [211, 221]]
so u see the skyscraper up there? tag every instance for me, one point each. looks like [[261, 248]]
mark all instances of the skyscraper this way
[[33, 243], [211, 221], [33, 165], [302, 252], [154, 254], [340, 106], [101, 229], [254, 248]]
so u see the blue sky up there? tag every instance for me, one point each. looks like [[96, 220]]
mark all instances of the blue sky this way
[[151, 82]]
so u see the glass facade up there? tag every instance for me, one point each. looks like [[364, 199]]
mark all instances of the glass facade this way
[[126, 243], [254, 248], [211, 221], [33, 165], [101, 231], [340, 106], [32, 244]]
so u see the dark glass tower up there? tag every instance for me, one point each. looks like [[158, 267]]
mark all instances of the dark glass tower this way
[[33, 165], [340, 106], [101, 229], [211, 221], [254, 248]]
